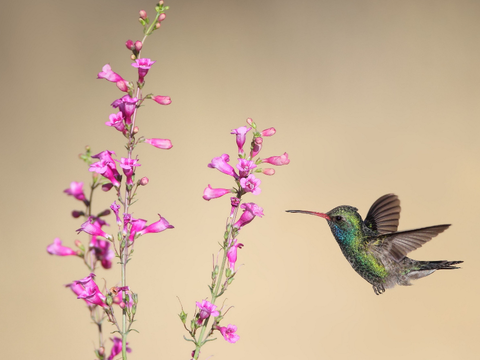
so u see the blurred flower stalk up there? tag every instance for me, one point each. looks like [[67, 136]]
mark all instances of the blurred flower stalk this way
[[208, 316], [103, 247]]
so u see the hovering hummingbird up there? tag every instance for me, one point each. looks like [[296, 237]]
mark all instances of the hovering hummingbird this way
[[374, 247]]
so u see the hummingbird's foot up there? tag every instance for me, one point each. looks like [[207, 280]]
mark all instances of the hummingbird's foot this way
[[379, 289]]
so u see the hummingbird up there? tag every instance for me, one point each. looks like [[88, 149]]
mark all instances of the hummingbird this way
[[374, 247]]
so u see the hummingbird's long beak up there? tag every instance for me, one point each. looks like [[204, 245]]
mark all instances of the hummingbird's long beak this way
[[325, 216]]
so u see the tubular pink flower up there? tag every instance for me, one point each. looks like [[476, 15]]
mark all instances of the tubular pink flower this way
[[156, 227], [220, 163], [269, 132], [108, 74], [160, 143], [209, 193], [119, 298], [116, 121], [76, 190], [229, 333], [137, 225], [241, 135], [94, 229], [207, 309], [56, 248], [277, 160], [232, 254], [115, 208], [162, 100], [102, 251], [251, 184], [117, 347], [103, 168], [244, 166], [128, 166], [127, 106], [143, 65], [91, 293], [250, 211]]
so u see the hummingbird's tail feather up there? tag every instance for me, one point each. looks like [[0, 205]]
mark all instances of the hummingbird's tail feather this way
[[420, 269]]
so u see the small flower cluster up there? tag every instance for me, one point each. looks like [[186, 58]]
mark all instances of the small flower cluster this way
[[245, 182], [103, 246]]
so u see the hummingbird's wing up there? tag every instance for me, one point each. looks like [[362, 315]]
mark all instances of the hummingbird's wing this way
[[384, 214], [399, 244]]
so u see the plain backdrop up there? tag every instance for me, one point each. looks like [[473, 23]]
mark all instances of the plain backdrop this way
[[368, 98]]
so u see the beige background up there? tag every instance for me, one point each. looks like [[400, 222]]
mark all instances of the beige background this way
[[368, 97]]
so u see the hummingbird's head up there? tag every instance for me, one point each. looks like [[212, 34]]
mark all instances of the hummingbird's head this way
[[344, 221]]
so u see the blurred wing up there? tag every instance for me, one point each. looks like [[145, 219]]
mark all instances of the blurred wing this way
[[399, 244], [384, 214]]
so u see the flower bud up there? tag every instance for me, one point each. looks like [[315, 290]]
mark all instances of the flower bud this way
[[143, 181], [122, 85], [269, 132], [135, 130], [79, 244], [129, 44], [161, 3], [157, 25], [162, 17], [133, 57], [76, 214], [143, 14], [109, 300], [162, 100], [138, 45], [107, 187], [258, 140], [122, 305], [101, 351]]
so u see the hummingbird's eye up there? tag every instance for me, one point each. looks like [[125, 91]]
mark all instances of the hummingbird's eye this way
[[338, 218]]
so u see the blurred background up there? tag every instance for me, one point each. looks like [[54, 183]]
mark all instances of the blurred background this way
[[368, 98]]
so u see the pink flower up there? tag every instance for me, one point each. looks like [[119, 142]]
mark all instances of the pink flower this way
[[94, 229], [207, 309], [229, 333], [108, 74], [269, 132], [277, 160], [58, 249], [143, 65], [119, 298], [209, 193], [129, 44], [91, 293], [269, 171], [241, 134], [128, 166], [162, 100], [117, 347], [244, 166], [156, 227], [250, 211], [102, 251], [106, 167], [122, 85], [76, 190], [232, 253], [251, 184], [160, 143], [220, 163], [115, 207], [137, 225], [116, 121], [127, 106]]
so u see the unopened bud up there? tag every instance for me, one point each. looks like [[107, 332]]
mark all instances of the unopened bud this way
[[143, 181], [258, 140], [160, 2], [109, 300], [107, 187], [269, 171], [104, 213], [76, 214], [133, 57], [101, 351], [157, 25], [135, 130], [129, 44], [79, 244], [162, 17], [269, 132], [138, 45], [122, 305], [143, 14]]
